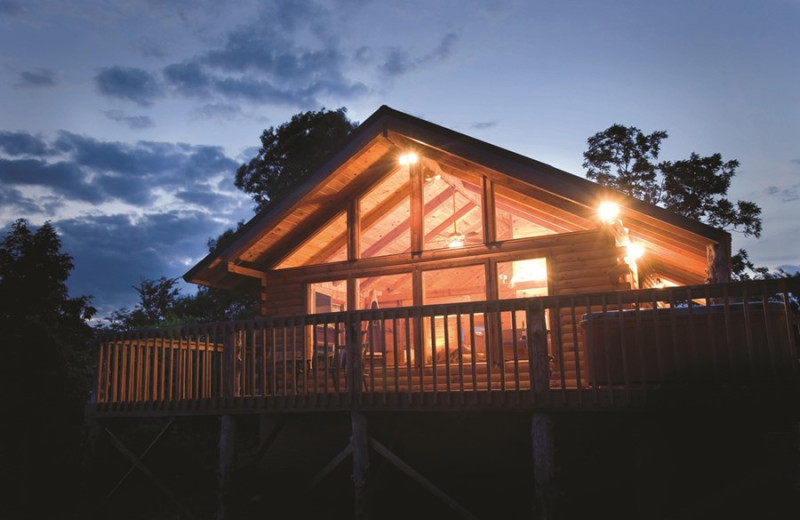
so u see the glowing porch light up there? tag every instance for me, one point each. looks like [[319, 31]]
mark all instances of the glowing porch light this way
[[608, 212], [635, 251], [408, 159]]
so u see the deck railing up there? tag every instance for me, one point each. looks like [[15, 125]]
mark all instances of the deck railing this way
[[577, 350]]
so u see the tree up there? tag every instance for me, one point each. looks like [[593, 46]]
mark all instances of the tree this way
[[45, 373], [624, 158], [288, 153]]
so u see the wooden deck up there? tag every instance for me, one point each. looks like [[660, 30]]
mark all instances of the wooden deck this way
[[619, 350]]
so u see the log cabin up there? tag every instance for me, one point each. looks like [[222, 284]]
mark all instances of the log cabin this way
[[419, 269]]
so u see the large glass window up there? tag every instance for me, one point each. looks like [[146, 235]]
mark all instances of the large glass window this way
[[329, 244], [387, 339], [449, 335], [385, 216], [330, 296], [525, 278], [452, 212], [517, 216]]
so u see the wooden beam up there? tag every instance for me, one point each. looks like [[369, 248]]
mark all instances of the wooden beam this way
[[359, 443], [149, 474], [417, 209], [489, 212], [330, 466], [141, 457], [429, 486], [544, 467], [226, 467]]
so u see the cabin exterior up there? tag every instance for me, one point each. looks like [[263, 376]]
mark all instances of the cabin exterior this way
[[421, 269]]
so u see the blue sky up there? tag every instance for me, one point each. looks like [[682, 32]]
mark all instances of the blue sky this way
[[123, 122]]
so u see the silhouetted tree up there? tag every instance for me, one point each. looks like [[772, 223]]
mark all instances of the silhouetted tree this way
[[290, 151], [624, 158], [45, 374]]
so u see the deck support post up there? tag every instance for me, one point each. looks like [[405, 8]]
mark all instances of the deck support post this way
[[544, 491], [227, 465], [360, 444]]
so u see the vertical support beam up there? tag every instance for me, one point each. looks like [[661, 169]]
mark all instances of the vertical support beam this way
[[544, 491], [229, 370], [537, 335], [360, 444], [353, 230], [263, 296], [227, 466], [419, 341], [489, 220], [417, 208]]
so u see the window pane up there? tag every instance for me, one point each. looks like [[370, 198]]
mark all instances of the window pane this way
[[385, 215], [517, 216], [457, 284], [329, 244], [328, 296], [452, 213]]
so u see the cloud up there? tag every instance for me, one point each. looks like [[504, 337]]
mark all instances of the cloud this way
[[37, 79], [94, 171], [482, 125], [132, 122], [137, 85], [400, 61], [790, 194], [112, 253], [22, 143], [228, 111]]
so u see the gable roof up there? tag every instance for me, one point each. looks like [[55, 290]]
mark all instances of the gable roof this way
[[371, 151]]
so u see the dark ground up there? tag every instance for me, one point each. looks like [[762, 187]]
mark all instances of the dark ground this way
[[621, 466]]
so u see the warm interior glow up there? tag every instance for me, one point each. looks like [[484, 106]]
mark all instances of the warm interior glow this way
[[408, 158], [456, 240], [635, 251], [533, 270], [608, 212]]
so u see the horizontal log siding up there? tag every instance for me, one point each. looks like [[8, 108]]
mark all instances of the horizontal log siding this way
[[591, 263]]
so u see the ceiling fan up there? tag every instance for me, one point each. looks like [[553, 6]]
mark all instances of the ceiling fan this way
[[457, 238]]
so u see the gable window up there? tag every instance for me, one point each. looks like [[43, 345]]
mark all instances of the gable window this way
[[520, 216], [328, 244], [385, 216], [452, 212]]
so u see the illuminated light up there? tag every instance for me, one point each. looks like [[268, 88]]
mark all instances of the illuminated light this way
[[635, 251], [534, 270], [608, 212], [456, 240], [408, 159]]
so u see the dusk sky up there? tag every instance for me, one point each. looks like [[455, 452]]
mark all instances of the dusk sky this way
[[123, 122]]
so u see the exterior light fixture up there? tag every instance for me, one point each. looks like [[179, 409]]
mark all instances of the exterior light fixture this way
[[608, 212], [635, 251], [408, 159]]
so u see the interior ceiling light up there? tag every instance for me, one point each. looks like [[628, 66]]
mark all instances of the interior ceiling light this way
[[456, 240]]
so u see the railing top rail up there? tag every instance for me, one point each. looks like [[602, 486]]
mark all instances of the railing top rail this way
[[729, 292]]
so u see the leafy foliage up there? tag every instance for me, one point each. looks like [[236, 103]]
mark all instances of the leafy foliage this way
[[289, 152], [624, 158], [45, 373]]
